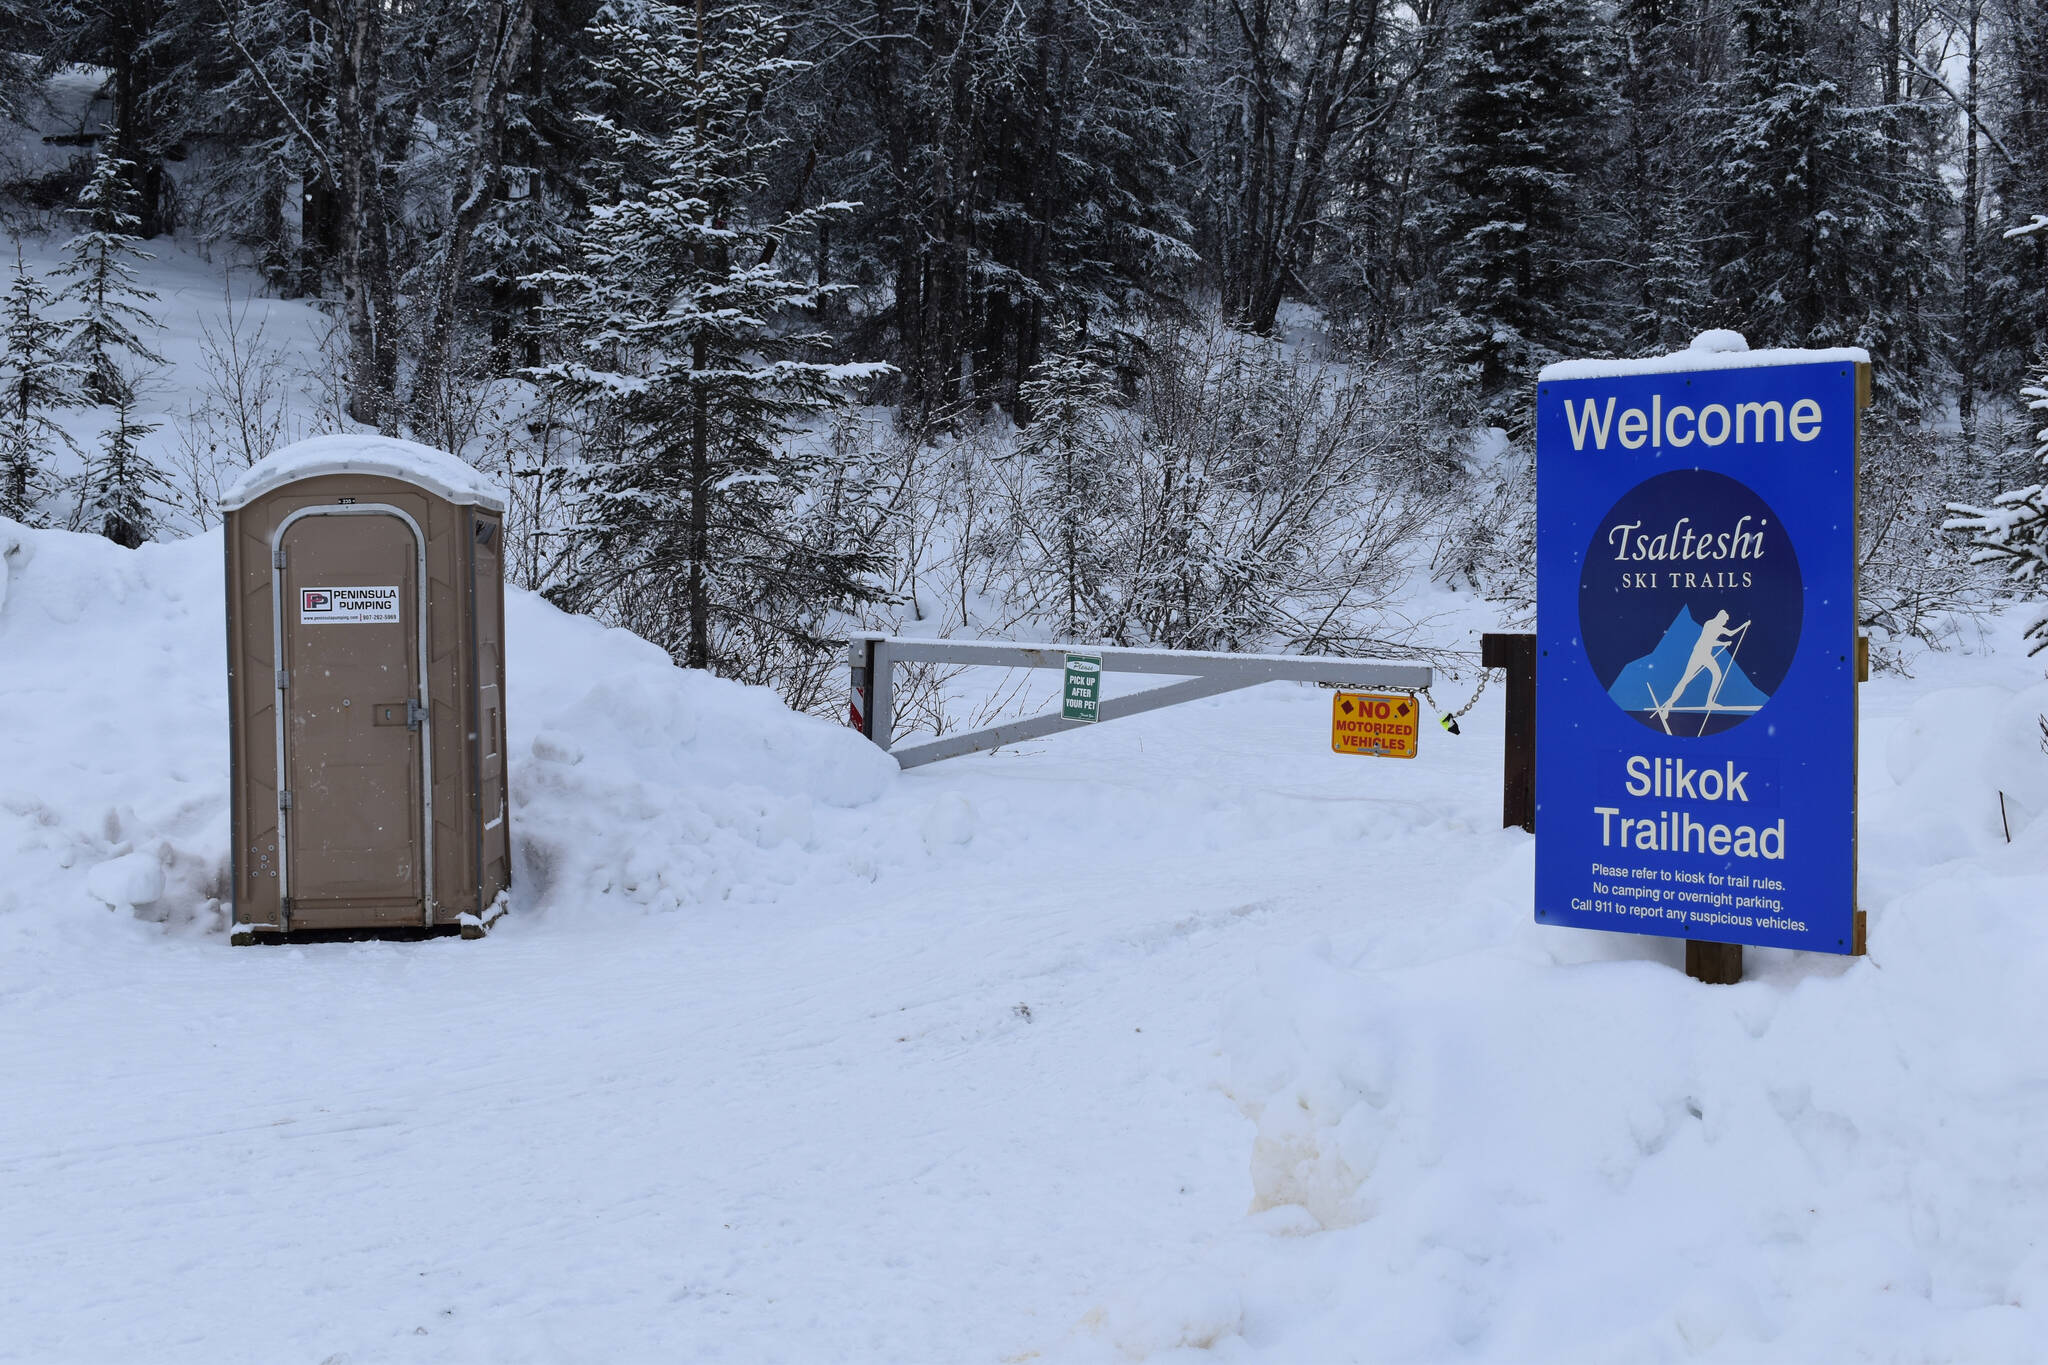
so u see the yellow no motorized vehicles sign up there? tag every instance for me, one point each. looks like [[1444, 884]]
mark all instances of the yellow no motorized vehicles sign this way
[[1383, 726]]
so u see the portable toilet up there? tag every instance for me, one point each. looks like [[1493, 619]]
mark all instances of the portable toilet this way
[[366, 690]]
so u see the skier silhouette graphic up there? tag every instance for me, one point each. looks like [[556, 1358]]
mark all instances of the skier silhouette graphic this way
[[1715, 635]]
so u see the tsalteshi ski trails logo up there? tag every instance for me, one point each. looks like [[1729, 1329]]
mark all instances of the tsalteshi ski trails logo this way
[[1689, 603]]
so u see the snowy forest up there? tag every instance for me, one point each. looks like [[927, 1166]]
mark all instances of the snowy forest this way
[[1192, 323]]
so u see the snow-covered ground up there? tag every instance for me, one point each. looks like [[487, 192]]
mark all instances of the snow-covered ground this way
[[1178, 1035]]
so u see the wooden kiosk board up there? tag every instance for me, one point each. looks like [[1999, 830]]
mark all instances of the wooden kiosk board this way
[[366, 685]]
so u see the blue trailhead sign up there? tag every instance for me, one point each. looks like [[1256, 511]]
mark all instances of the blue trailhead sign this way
[[1696, 660]]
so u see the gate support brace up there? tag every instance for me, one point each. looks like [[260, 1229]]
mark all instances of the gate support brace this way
[[1016, 731]]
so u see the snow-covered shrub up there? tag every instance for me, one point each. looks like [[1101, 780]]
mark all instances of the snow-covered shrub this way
[[1246, 498]]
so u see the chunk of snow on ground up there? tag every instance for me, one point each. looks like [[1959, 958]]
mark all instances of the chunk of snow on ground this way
[[124, 883], [15, 550], [1170, 1314], [950, 820]]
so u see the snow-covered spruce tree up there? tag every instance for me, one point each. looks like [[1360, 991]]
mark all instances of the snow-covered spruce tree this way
[[2013, 531], [2015, 283], [251, 81], [1520, 223], [1058, 535], [24, 30], [1017, 167], [100, 263], [1820, 209], [1656, 187], [34, 377], [121, 485], [676, 317], [1821, 202]]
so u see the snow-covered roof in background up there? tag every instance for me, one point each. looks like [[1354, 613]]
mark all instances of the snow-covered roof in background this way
[[1716, 349], [434, 470]]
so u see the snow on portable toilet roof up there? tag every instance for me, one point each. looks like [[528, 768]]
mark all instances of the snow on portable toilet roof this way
[[1714, 349], [434, 470]]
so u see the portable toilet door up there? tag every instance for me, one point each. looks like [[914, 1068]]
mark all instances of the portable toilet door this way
[[366, 679]]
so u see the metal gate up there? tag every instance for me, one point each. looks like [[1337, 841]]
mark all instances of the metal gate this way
[[873, 660]]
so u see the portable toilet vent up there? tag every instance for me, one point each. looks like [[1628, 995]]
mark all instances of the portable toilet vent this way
[[366, 690]]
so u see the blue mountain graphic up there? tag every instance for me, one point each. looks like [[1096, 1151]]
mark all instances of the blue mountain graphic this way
[[1663, 666]]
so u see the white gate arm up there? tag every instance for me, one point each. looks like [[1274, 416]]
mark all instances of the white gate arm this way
[[873, 659]]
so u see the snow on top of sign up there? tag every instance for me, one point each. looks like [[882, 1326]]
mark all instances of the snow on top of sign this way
[[1714, 349], [434, 470]]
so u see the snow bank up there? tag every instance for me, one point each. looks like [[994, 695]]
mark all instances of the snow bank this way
[[361, 453], [634, 783], [1535, 1156], [635, 779], [113, 727], [1952, 758]]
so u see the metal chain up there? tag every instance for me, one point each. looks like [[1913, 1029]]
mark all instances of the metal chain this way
[[1485, 677]]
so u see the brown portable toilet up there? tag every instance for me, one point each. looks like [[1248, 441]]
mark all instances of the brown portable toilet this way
[[366, 690]]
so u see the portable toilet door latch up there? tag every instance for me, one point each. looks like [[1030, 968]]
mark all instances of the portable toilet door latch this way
[[410, 711]]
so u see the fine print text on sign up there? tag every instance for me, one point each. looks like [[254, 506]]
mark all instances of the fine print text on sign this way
[[1082, 697], [1696, 647], [1368, 723], [348, 606]]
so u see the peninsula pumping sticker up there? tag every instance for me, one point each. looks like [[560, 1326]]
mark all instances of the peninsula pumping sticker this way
[[348, 606]]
